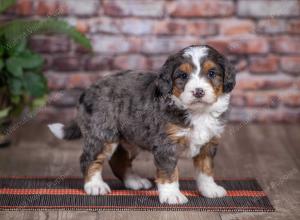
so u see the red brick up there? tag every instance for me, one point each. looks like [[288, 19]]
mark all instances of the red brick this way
[[131, 61], [291, 64], [221, 44], [83, 8], [241, 65], [72, 7], [297, 83], [136, 26], [146, 8], [82, 26], [115, 44], [155, 62], [255, 99], [263, 83], [68, 98], [49, 44], [271, 26], [57, 81], [51, 8], [104, 25], [286, 44], [267, 8], [24, 7], [206, 8], [179, 27], [133, 26], [99, 62], [248, 45], [294, 26], [270, 100], [237, 99], [263, 115], [268, 64], [166, 45], [291, 99], [51, 114], [236, 27], [68, 63]]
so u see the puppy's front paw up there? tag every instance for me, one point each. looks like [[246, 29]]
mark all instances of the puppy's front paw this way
[[136, 182], [96, 188], [212, 190], [169, 193], [172, 198]]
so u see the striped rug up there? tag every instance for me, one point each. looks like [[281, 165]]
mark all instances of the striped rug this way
[[65, 193]]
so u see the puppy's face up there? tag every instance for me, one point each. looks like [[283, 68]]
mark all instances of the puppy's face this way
[[198, 75]]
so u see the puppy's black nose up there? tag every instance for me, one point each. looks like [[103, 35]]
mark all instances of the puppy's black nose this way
[[199, 93]]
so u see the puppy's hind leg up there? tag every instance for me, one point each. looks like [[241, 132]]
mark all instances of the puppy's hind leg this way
[[121, 165], [91, 161]]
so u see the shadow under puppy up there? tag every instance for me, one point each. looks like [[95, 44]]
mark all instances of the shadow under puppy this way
[[176, 111]]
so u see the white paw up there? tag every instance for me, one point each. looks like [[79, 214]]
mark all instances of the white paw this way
[[212, 190], [96, 187], [172, 198], [208, 187], [169, 193], [135, 182]]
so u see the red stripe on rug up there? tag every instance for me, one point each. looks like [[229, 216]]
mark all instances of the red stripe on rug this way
[[162, 206], [232, 193], [77, 177]]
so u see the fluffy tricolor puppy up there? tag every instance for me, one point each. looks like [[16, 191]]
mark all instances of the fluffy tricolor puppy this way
[[176, 111]]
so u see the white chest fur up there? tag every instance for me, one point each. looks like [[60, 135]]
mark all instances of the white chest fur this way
[[206, 125]]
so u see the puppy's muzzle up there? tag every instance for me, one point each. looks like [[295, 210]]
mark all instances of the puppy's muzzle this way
[[198, 93]]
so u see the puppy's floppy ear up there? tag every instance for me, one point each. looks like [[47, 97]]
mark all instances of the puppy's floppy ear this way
[[229, 76], [164, 83]]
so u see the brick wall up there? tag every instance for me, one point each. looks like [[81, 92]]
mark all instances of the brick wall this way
[[261, 37]]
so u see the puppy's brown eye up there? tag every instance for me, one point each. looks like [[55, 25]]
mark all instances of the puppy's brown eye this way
[[211, 74]]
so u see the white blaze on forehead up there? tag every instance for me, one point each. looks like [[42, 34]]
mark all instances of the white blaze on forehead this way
[[196, 53]]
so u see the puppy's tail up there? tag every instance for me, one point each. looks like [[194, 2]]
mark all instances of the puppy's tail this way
[[68, 132]]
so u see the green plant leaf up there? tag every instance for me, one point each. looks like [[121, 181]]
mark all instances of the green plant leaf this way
[[15, 99], [35, 84], [15, 86], [31, 61], [1, 64], [14, 66], [5, 4], [39, 102], [17, 48], [18, 30], [4, 112], [1, 49]]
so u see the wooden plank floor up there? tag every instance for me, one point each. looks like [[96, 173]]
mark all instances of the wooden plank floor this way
[[269, 153]]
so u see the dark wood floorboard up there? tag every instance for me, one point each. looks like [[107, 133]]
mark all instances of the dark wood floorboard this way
[[269, 153]]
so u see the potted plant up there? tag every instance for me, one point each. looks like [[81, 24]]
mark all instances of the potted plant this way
[[22, 84]]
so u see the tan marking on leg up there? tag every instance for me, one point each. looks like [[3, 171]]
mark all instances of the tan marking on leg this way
[[163, 177], [204, 160], [97, 164]]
